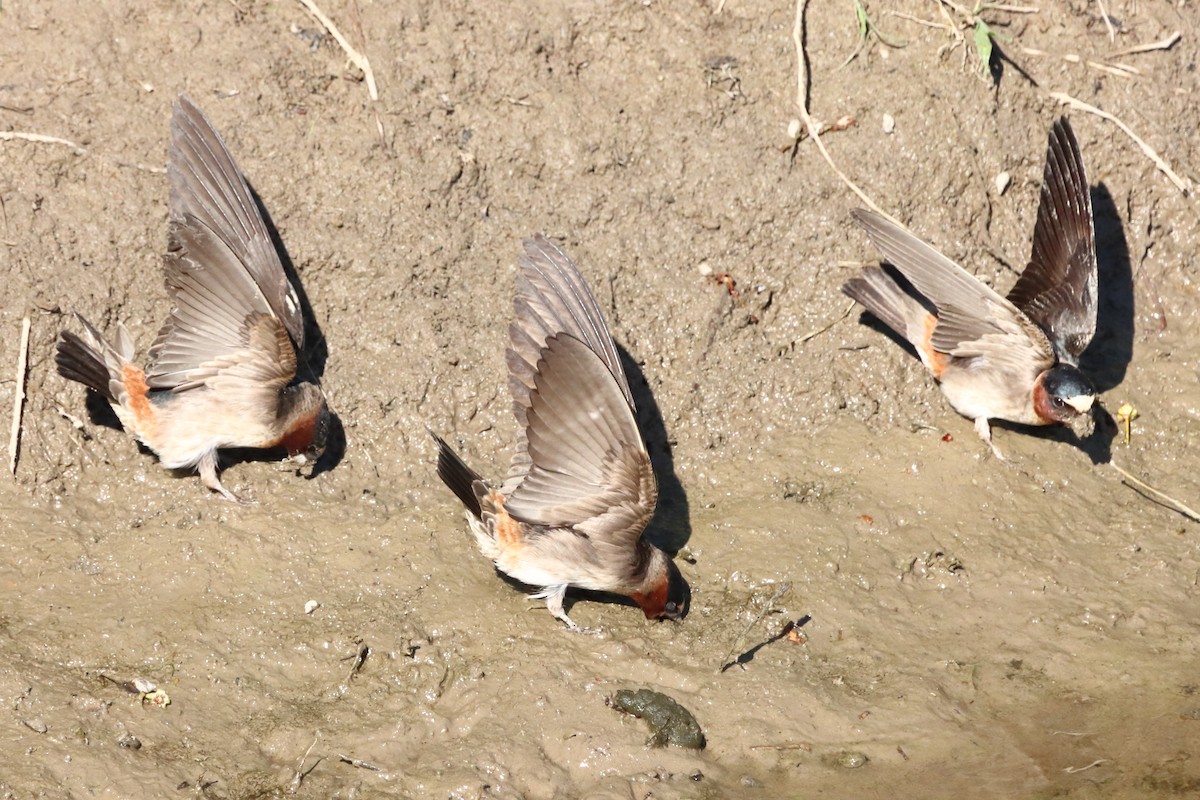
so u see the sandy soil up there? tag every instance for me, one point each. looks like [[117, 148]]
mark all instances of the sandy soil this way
[[974, 628]]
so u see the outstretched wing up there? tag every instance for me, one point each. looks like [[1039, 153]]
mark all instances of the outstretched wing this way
[[231, 297], [973, 320], [589, 470], [1058, 288], [551, 298]]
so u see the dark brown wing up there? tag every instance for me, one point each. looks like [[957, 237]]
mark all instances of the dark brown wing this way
[[551, 298], [589, 469], [973, 320], [221, 266], [1058, 288]]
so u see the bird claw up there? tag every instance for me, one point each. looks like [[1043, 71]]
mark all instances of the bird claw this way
[[553, 595], [575, 628], [228, 495], [985, 432]]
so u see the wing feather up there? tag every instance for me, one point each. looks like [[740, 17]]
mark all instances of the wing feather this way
[[551, 298], [1058, 289], [588, 466], [207, 187], [973, 320], [228, 288]]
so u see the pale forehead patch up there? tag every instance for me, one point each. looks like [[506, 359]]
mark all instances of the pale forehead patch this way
[[1081, 402]]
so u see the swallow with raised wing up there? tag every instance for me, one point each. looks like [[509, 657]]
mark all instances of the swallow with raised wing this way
[[580, 489], [1013, 358], [220, 372]]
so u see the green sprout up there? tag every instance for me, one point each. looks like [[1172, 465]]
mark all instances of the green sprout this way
[[866, 30]]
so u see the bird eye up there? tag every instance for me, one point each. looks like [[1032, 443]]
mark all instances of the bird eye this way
[[1059, 402], [672, 607]]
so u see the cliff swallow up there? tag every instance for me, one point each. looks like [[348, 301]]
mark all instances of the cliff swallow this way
[[1014, 358], [580, 489], [221, 369]]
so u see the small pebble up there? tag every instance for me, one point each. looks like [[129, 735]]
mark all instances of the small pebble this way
[[704, 269], [311, 606], [36, 725], [129, 742], [1002, 182], [889, 123], [794, 129]]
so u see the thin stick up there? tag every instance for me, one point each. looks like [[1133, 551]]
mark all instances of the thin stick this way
[[1180, 183], [1112, 34], [358, 58], [926, 22], [1120, 70], [1165, 44], [80, 150], [9, 136], [355, 762], [818, 331], [813, 130], [783, 589], [1171, 501], [14, 439], [805, 746], [301, 773]]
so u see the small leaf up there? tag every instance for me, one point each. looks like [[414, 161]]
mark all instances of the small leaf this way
[[983, 44], [863, 23]]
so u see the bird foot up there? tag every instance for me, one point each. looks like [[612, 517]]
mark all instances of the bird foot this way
[[985, 432], [209, 477], [554, 602]]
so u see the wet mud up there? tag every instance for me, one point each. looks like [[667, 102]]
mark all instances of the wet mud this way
[[961, 626]]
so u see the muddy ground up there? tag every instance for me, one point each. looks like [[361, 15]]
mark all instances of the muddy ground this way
[[973, 627]]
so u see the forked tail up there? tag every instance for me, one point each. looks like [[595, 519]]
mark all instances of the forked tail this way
[[457, 475], [89, 359], [880, 294]]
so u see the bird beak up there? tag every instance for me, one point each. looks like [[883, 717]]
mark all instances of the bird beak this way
[[1083, 425]]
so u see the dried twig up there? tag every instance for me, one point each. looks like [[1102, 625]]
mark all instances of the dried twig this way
[[1112, 33], [14, 439], [302, 773], [78, 149], [805, 746], [1180, 183], [355, 762], [9, 136], [1120, 70], [813, 129], [783, 589], [1171, 501], [356, 57], [1165, 44], [818, 331], [926, 22]]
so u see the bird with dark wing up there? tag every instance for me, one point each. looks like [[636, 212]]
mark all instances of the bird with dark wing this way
[[580, 489], [221, 370], [1013, 358]]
